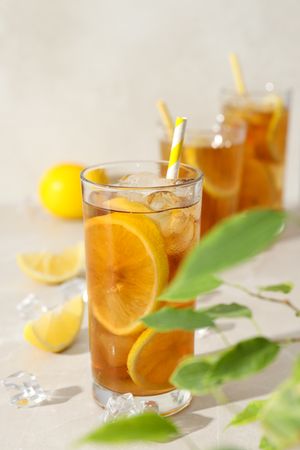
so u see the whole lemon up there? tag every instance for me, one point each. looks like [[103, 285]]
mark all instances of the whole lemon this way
[[60, 191]]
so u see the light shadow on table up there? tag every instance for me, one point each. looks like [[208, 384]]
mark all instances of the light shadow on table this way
[[62, 395], [81, 345], [258, 385], [292, 229], [189, 422]]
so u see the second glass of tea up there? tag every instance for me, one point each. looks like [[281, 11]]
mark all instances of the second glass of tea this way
[[138, 228], [218, 153], [266, 114]]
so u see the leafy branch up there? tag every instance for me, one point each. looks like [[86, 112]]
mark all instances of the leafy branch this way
[[283, 287], [278, 415], [232, 242]]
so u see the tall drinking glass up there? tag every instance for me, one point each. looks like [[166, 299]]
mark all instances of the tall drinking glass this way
[[266, 114], [218, 153], [138, 228]]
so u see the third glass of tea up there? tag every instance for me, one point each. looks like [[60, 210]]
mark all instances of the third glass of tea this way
[[266, 114]]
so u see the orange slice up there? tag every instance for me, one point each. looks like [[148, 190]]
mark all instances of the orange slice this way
[[124, 204], [257, 189], [154, 356], [127, 268], [219, 192]]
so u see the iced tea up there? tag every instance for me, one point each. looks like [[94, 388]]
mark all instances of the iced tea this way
[[266, 115], [219, 155], [138, 228]]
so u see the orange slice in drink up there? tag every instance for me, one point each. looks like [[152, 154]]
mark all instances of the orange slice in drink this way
[[219, 192], [257, 189], [124, 204], [127, 269], [154, 356]]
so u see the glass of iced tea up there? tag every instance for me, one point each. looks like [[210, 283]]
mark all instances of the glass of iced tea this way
[[218, 153], [138, 228], [266, 114]]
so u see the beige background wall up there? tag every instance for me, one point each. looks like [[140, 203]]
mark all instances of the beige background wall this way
[[79, 78]]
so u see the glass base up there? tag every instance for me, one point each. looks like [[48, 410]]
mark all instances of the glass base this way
[[168, 403]]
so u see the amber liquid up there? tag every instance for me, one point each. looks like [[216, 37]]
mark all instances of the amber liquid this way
[[265, 152], [179, 228], [222, 168]]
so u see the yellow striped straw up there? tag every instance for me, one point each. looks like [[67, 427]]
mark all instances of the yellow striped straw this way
[[165, 117], [176, 148], [237, 74]]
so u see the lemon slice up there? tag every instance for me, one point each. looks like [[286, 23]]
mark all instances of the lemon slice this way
[[276, 135], [52, 268], [218, 191], [257, 189], [124, 204], [127, 268], [55, 330], [154, 356]]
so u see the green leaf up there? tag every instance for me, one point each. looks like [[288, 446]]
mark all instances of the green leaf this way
[[265, 444], [179, 291], [246, 358], [145, 427], [232, 310], [229, 243], [280, 417], [203, 374], [196, 375], [248, 414], [167, 319], [285, 288]]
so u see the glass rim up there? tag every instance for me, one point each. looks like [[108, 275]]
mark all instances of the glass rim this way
[[189, 182], [260, 92], [218, 128]]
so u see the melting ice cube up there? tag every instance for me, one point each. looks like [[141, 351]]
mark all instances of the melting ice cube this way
[[126, 405], [144, 179], [73, 288], [25, 389], [31, 307]]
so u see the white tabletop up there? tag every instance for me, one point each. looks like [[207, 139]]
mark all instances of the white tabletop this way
[[56, 425]]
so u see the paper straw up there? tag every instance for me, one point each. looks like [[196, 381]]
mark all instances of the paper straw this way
[[176, 148], [165, 117], [237, 74]]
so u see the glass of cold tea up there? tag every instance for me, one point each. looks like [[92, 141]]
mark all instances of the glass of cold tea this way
[[218, 153], [266, 114], [138, 228]]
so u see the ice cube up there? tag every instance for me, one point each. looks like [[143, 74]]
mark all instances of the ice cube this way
[[126, 405], [150, 406], [31, 307], [26, 391], [162, 200], [73, 288], [144, 179], [178, 228]]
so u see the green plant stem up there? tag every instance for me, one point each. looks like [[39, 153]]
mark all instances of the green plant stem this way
[[220, 396], [222, 336], [263, 297], [287, 341]]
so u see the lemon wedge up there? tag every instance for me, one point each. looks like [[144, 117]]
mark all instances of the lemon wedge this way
[[50, 268], [57, 329]]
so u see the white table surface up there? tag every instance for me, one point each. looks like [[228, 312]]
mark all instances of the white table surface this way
[[56, 425]]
